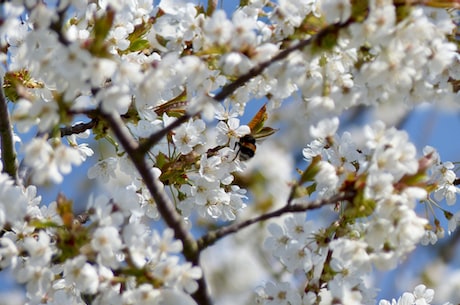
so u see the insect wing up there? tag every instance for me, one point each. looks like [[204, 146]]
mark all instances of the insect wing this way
[[257, 122], [256, 125], [264, 132]]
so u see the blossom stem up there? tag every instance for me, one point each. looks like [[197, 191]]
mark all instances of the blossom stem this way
[[9, 158], [213, 236]]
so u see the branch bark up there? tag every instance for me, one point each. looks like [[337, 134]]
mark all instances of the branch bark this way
[[157, 136], [78, 128], [9, 157], [257, 70]]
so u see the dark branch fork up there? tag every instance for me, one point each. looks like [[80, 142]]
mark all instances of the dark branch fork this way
[[137, 152], [164, 205]]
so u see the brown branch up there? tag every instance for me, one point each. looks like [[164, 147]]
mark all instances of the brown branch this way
[[78, 128], [211, 237], [257, 70], [224, 93], [164, 205], [157, 136], [9, 157], [240, 81]]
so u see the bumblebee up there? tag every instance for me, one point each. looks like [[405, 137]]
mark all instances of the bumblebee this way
[[247, 143], [247, 147]]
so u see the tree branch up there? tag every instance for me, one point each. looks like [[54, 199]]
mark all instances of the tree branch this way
[[257, 70], [78, 128], [164, 205], [157, 136], [211, 237], [240, 81], [9, 158]]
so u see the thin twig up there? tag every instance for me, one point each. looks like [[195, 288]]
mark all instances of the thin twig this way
[[9, 157], [257, 70], [78, 128], [213, 236], [157, 136]]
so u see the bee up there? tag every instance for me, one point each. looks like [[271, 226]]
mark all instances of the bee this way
[[247, 143], [247, 147]]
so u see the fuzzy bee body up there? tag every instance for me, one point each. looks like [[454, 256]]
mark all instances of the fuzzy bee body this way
[[247, 143], [247, 147]]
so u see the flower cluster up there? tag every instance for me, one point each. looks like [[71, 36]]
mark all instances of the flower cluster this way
[[167, 86], [377, 227], [420, 295], [110, 260]]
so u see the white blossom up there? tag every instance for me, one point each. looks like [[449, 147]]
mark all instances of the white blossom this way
[[39, 249], [81, 274], [107, 243], [189, 135], [316, 63]]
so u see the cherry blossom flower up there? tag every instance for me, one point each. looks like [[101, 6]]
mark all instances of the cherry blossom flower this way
[[421, 295], [189, 135], [8, 253], [38, 279], [49, 162], [10, 193], [39, 249], [144, 294], [166, 244], [103, 170], [281, 293], [188, 277], [107, 243], [278, 241], [230, 131], [326, 179], [169, 296], [150, 63], [81, 274], [336, 11]]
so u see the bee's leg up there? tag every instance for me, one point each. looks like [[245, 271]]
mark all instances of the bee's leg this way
[[238, 151]]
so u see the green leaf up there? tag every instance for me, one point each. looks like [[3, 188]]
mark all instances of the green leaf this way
[[311, 171], [139, 45], [101, 29], [327, 39]]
